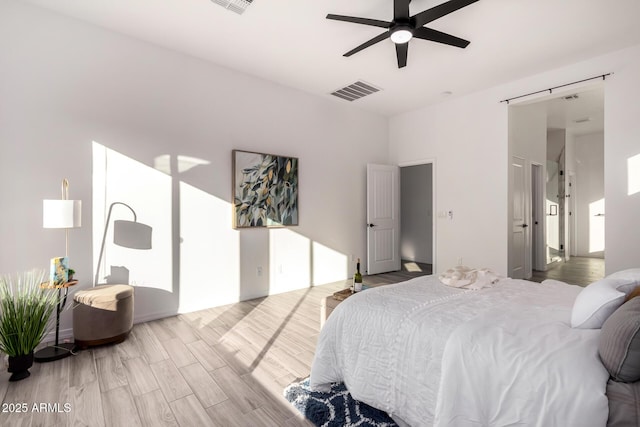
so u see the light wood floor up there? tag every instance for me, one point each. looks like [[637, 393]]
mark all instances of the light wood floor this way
[[577, 271], [225, 366]]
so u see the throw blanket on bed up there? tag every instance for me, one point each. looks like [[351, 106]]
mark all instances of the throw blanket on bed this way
[[469, 278], [387, 345]]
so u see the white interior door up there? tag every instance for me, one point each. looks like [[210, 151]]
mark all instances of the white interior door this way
[[519, 228], [383, 218]]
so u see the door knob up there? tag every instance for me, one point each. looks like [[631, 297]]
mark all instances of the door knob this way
[[371, 225], [525, 225]]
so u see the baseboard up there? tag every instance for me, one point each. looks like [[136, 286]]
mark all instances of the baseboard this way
[[148, 317]]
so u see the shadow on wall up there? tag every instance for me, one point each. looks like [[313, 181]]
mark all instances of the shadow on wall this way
[[197, 259]]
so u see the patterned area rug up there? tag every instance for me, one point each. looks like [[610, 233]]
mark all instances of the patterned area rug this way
[[334, 409]]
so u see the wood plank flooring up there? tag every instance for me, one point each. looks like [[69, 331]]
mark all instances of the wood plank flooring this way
[[225, 366], [577, 271]]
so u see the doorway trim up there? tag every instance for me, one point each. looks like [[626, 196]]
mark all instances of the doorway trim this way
[[538, 217], [434, 186]]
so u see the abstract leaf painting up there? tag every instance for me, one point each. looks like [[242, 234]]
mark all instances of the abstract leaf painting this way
[[265, 190]]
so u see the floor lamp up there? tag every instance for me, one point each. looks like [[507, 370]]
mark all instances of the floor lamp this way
[[128, 234], [66, 214]]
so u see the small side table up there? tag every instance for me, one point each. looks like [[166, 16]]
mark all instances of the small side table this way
[[58, 350], [330, 302]]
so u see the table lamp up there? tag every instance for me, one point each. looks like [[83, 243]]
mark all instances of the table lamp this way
[[64, 214]]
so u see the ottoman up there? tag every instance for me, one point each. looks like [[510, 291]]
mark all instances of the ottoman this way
[[102, 315]]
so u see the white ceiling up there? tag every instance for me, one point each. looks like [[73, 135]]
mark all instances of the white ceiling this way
[[290, 41], [579, 116]]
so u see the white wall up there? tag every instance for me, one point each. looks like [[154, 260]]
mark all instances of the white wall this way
[[416, 213], [65, 84], [621, 165], [589, 164], [556, 141], [468, 138]]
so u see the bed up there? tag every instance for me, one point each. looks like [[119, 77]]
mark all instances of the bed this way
[[436, 355]]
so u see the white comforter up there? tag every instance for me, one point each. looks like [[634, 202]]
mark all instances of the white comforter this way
[[430, 355]]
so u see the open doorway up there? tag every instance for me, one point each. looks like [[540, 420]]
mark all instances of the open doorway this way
[[416, 217], [561, 139]]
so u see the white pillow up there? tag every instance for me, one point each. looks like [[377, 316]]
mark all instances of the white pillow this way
[[630, 274], [598, 301]]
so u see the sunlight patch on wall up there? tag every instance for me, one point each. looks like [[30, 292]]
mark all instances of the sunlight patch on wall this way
[[596, 226], [209, 251], [118, 178], [163, 163], [328, 265], [289, 261], [633, 172], [408, 249]]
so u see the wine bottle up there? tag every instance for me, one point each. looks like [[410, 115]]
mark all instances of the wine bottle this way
[[357, 278]]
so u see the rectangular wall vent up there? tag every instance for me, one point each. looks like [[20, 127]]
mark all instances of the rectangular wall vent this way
[[237, 6], [355, 91]]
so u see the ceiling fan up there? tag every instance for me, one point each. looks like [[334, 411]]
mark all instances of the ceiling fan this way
[[404, 27]]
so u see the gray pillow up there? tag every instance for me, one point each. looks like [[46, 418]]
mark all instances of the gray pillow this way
[[619, 345]]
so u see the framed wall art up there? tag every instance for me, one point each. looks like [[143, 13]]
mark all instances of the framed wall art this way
[[265, 190]]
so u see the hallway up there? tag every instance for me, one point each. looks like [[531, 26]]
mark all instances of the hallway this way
[[577, 271]]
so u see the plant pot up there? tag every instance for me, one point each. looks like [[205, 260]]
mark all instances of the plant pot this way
[[19, 366]]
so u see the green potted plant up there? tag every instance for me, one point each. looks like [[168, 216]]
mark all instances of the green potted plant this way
[[25, 309]]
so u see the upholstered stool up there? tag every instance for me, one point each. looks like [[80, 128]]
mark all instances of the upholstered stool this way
[[102, 315]]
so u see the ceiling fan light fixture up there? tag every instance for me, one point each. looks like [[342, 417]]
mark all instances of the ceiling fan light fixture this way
[[404, 27], [401, 34]]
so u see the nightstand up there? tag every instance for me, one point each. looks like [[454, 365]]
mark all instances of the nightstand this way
[[330, 302]]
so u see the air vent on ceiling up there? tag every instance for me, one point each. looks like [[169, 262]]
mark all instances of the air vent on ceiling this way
[[571, 97], [355, 91], [237, 6]]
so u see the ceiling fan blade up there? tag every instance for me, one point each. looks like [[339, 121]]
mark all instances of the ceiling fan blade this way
[[440, 37], [363, 21], [439, 11], [401, 53], [368, 43], [401, 9]]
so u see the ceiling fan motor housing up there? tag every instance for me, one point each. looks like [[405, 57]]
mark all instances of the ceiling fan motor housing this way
[[401, 32]]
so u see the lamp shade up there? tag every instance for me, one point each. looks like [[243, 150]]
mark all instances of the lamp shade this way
[[61, 213]]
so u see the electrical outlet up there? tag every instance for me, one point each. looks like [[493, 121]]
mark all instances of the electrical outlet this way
[[259, 271], [460, 261]]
